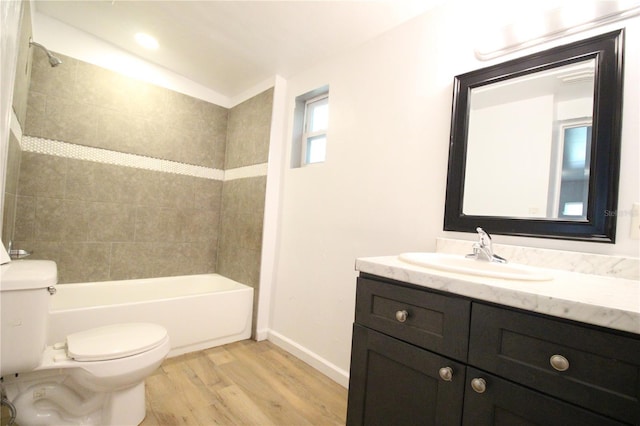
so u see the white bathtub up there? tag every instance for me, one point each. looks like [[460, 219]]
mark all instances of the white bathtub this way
[[198, 311]]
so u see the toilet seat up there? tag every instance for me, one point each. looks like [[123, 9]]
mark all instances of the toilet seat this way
[[114, 341]]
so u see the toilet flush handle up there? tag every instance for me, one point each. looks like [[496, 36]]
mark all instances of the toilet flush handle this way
[[52, 290]]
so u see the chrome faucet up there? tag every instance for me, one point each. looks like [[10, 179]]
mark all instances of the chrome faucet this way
[[17, 254], [483, 249]]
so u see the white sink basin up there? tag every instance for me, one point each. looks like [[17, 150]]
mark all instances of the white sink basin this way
[[462, 265]]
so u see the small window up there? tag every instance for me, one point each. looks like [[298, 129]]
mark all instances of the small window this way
[[316, 119], [311, 120]]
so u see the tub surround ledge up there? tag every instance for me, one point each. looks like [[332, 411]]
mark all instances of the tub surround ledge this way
[[592, 299]]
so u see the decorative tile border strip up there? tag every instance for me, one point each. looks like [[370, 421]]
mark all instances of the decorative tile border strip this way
[[100, 155], [246, 172]]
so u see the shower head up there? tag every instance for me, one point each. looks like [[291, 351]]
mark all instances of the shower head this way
[[54, 61]]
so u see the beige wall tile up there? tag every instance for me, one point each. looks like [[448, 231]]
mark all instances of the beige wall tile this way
[[249, 127], [91, 181], [156, 189], [71, 121], [161, 259], [25, 221], [158, 225], [201, 256], [42, 175], [239, 264], [111, 222], [241, 224], [77, 262], [171, 259], [243, 195], [207, 194], [84, 262], [104, 88], [61, 220], [36, 115], [132, 260], [242, 230], [198, 224], [117, 131]]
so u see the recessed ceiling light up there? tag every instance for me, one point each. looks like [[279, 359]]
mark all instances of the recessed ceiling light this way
[[146, 41]]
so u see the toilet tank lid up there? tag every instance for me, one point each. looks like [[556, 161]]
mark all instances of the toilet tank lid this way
[[28, 275], [114, 341]]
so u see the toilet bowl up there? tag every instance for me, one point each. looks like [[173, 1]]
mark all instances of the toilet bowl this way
[[94, 377]]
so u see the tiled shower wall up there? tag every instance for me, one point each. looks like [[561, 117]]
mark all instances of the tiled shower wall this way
[[84, 104], [104, 221], [243, 200]]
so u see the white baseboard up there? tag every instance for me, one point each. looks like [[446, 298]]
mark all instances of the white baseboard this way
[[325, 367], [262, 334]]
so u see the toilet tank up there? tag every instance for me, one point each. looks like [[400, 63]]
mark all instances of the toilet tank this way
[[25, 296]]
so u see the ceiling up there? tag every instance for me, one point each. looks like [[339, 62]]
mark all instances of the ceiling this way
[[230, 46]]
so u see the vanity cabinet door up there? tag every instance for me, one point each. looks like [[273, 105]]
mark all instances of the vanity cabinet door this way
[[498, 402], [594, 369], [394, 383], [433, 321]]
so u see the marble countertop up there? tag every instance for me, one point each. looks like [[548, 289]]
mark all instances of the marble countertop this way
[[603, 301]]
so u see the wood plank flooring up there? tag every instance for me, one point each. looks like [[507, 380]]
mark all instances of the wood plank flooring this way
[[243, 383]]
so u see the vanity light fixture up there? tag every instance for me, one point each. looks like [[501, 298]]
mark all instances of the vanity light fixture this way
[[146, 41], [569, 19]]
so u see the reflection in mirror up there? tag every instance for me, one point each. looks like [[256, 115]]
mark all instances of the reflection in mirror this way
[[535, 144], [529, 136]]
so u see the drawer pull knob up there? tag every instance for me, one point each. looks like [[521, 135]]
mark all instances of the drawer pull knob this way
[[558, 362], [479, 385], [446, 374], [402, 315]]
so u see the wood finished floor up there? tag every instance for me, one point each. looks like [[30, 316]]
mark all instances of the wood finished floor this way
[[243, 383]]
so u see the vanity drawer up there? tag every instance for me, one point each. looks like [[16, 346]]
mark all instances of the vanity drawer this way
[[429, 320], [602, 369], [504, 403]]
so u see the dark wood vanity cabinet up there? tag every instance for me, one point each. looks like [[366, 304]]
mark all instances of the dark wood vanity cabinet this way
[[394, 380], [430, 358], [395, 383]]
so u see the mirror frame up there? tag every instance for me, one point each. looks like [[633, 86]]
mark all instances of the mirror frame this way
[[600, 224]]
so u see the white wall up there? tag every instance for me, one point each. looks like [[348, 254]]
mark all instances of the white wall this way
[[381, 190], [498, 134]]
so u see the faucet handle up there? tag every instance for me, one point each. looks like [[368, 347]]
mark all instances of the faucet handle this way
[[485, 238], [481, 231]]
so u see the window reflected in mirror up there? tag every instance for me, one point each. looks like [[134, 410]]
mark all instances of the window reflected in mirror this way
[[573, 191]]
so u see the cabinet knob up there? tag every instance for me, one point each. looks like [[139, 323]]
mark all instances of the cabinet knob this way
[[558, 362], [402, 315], [446, 374], [479, 384]]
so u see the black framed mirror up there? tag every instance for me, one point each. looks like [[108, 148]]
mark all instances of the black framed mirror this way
[[535, 144]]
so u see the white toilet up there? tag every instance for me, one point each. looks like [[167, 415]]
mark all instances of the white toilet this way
[[95, 377]]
